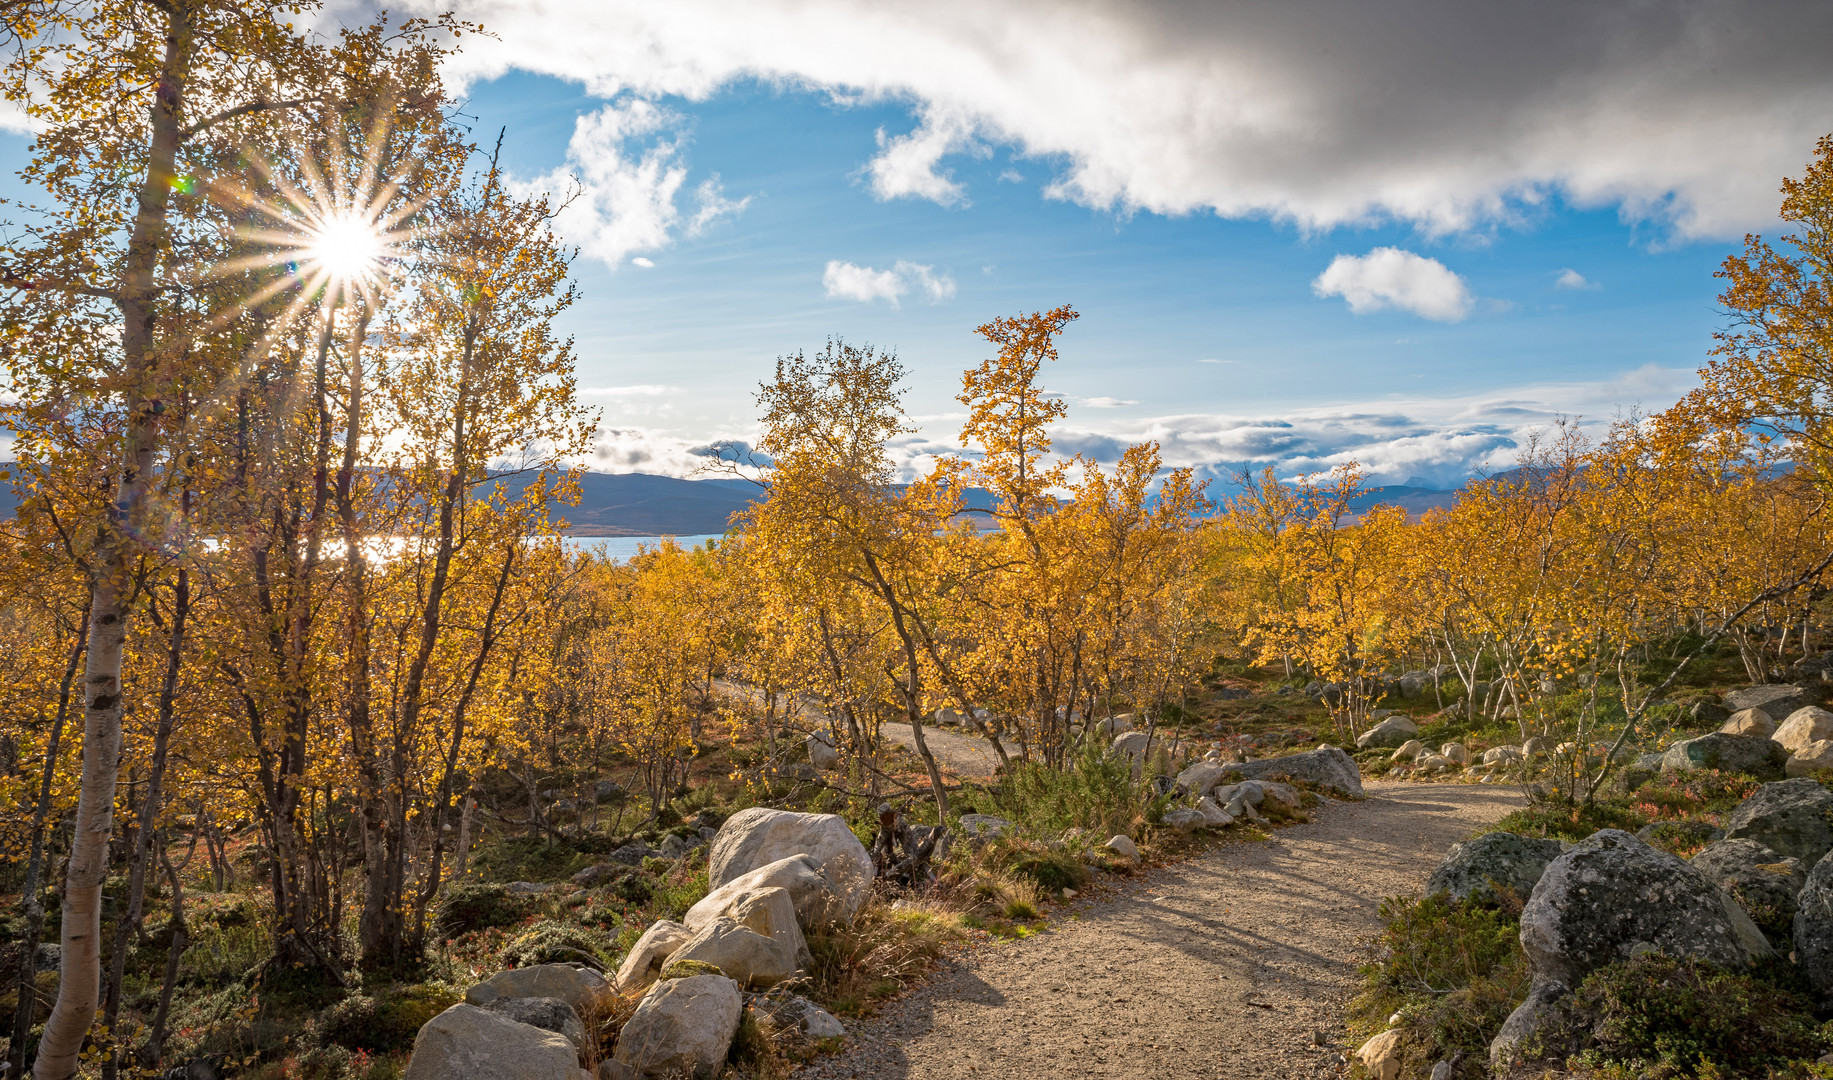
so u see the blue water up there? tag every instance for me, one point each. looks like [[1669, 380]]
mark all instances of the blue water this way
[[623, 548]]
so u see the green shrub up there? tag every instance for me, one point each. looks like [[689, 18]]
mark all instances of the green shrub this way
[[1096, 792], [1691, 794], [473, 905], [1453, 971], [1054, 871], [1563, 819], [557, 943], [385, 1022], [634, 888], [534, 858], [1660, 1017]]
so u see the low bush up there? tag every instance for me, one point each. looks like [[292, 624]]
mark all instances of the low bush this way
[[386, 1022], [559, 943], [883, 949], [1453, 971], [1096, 792], [1566, 819], [470, 906], [1663, 1018]]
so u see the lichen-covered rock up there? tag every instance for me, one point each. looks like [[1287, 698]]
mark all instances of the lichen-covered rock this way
[[1790, 817], [1811, 758], [682, 1027], [1391, 732], [746, 956], [1327, 767], [1612, 897], [467, 1041], [788, 1013], [1813, 930], [548, 1014], [1763, 883], [1776, 699], [644, 963], [1200, 777], [1455, 752], [1477, 866], [1185, 820], [1502, 755], [1803, 726], [1750, 722], [578, 986], [758, 836], [1751, 755]]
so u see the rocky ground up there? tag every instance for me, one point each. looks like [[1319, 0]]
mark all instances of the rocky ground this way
[[1234, 965]]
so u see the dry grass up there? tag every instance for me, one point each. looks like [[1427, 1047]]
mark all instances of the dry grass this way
[[887, 947]]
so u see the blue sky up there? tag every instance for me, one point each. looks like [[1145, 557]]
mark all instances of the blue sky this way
[[1182, 314], [1299, 232]]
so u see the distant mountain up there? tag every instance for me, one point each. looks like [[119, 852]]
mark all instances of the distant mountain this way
[[1413, 499], [642, 504]]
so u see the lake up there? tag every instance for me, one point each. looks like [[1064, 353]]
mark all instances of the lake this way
[[623, 548]]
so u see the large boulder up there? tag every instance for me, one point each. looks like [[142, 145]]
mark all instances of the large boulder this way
[[1790, 817], [1811, 759], [1763, 883], [548, 1014], [759, 836], [1326, 767], [1803, 726], [816, 902], [1750, 722], [681, 1027], [580, 987], [1814, 930], [644, 963], [1390, 733], [1777, 700], [1186, 820], [1609, 899], [1613, 897], [1408, 750], [466, 1041], [1477, 867], [768, 911], [746, 956], [1749, 754]]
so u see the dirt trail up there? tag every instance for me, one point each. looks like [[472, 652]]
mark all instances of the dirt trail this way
[[1222, 967]]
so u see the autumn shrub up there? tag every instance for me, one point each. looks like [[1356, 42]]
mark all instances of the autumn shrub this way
[[387, 1020], [1664, 1018], [1453, 970], [559, 943], [1692, 794], [471, 905], [634, 888], [1567, 819]]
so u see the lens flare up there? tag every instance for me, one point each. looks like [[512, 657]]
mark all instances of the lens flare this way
[[345, 246]]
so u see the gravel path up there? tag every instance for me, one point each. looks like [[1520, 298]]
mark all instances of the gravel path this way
[[969, 756], [1224, 967]]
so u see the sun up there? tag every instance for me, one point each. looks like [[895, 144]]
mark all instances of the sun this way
[[346, 247]]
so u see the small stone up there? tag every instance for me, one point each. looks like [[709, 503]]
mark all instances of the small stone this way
[[1123, 847], [1381, 1055]]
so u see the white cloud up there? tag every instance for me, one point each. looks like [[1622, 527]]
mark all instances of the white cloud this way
[[1572, 279], [850, 281], [906, 165], [635, 390], [1442, 113], [1104, 402], [622, 193], [1390, 277], [643, 262]]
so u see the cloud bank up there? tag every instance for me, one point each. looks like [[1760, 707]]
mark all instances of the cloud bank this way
[[1441, 113]]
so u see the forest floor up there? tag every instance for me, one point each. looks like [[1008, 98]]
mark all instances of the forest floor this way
[[1234, 965]]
